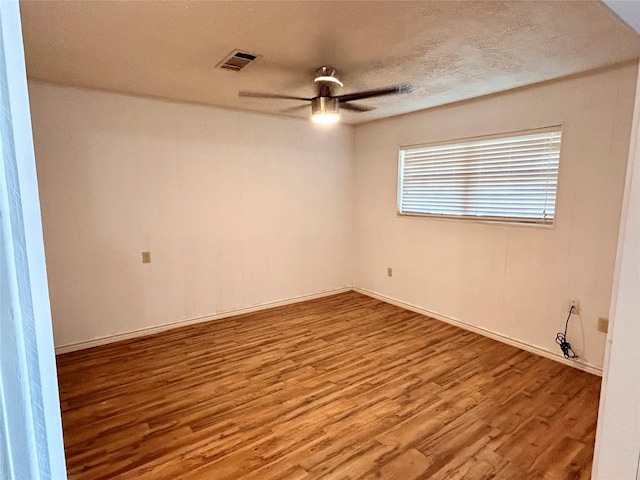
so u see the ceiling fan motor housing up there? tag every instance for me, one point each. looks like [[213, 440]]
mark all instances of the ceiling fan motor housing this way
[[324, 105]]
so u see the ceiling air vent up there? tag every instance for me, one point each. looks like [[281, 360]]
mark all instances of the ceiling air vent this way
[[237, 60]]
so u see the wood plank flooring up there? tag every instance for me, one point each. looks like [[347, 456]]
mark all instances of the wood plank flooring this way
[[344, 387]]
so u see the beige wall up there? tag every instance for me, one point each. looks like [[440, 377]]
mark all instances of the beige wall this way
[[511, 280], [237, 209]]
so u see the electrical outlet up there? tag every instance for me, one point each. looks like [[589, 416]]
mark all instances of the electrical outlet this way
[[389, 272], [603, 325], [146, 257], [575, 304]]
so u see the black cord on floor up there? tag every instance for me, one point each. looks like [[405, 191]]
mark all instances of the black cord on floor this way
[[561, 338]]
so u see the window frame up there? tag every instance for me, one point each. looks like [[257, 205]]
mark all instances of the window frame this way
[[507, 221]]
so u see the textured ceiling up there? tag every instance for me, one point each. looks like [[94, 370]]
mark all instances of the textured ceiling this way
[[448, 50]]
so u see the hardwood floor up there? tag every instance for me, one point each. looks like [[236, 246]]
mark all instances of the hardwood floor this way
[[340, 387]]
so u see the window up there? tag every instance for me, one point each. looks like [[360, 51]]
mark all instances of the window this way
[[508, 178]]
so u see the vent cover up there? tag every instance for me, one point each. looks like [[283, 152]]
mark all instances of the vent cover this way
[[237, 61]]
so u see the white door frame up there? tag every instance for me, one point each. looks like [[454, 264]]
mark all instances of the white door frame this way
[[31, 445], [617, 448]]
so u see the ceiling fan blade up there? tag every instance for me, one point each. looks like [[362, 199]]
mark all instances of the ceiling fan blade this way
[[402, 88], [355, 108], [243, 93], [294, 109]]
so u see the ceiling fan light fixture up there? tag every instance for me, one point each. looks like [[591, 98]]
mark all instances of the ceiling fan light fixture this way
[[324, 110], [325, 118]]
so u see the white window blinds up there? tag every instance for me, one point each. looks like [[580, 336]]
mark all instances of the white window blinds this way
[[510, 178]]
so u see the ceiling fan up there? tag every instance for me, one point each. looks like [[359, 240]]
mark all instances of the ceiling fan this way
[[325, 106]]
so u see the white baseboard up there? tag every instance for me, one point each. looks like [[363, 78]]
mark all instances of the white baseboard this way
[[72, 347], [482, 331]]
